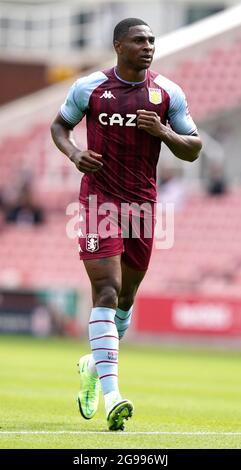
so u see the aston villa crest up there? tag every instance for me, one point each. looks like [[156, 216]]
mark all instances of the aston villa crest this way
[[155, 95], [92, 242]]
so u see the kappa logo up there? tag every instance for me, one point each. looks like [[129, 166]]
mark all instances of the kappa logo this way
[[107, 94], [92, 242]]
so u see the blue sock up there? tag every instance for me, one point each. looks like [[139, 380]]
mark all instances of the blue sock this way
[[123, 320], [104, 342]]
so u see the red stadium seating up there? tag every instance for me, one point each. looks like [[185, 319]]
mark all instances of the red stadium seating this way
[[40, 256], [206, 251], [212, 84], [205, 257]]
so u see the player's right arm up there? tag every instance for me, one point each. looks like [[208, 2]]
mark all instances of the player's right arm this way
[[71, 113], [86, 161]]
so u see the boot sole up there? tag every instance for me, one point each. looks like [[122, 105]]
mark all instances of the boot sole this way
[[122, 411]]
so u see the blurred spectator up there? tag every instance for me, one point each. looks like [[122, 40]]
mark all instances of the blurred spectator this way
[[23, 210], [1, 200], [1, 208], [217, 184], [171, 186]]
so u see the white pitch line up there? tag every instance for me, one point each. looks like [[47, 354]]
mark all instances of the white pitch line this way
[[129, 433]]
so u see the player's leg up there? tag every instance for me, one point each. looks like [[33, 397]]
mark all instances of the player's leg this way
[[105, 277], [131, 279], [135, 261]]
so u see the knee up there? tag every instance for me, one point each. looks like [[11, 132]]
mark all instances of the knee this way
[[106, 295], [126, 301]]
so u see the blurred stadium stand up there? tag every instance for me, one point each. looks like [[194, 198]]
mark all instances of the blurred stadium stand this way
[[45, 41], [205, 261]]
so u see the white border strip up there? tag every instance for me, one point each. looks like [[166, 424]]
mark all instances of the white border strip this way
[[134, 433], [189, 36]]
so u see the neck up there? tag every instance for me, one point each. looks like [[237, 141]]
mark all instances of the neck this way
[[130, 75]]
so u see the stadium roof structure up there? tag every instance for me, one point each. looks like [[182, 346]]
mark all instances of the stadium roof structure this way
[[205, 60]]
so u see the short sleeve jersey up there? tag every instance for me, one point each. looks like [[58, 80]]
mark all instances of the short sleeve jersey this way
[[129, 155]]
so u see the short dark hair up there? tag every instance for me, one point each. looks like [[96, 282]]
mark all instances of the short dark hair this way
[[123, 27]]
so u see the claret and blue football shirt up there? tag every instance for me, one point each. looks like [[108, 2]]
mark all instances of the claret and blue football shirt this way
[[129, 154]]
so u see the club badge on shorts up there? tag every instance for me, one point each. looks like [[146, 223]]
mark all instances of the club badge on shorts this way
[[92, 242], [155, 95]]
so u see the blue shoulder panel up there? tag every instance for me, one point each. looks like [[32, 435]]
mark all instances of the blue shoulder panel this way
[[179, 117], [77, 100]]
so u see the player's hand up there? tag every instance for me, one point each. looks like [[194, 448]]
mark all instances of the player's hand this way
[[150, 122], [87, 161]]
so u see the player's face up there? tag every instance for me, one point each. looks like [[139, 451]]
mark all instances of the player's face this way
[[136, 48]]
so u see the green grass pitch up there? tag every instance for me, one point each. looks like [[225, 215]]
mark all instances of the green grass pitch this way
[[183, 399]]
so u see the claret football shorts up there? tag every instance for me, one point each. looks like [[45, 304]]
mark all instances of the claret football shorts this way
[[108, 227]]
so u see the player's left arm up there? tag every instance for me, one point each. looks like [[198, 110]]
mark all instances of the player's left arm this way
[[182, 137]]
